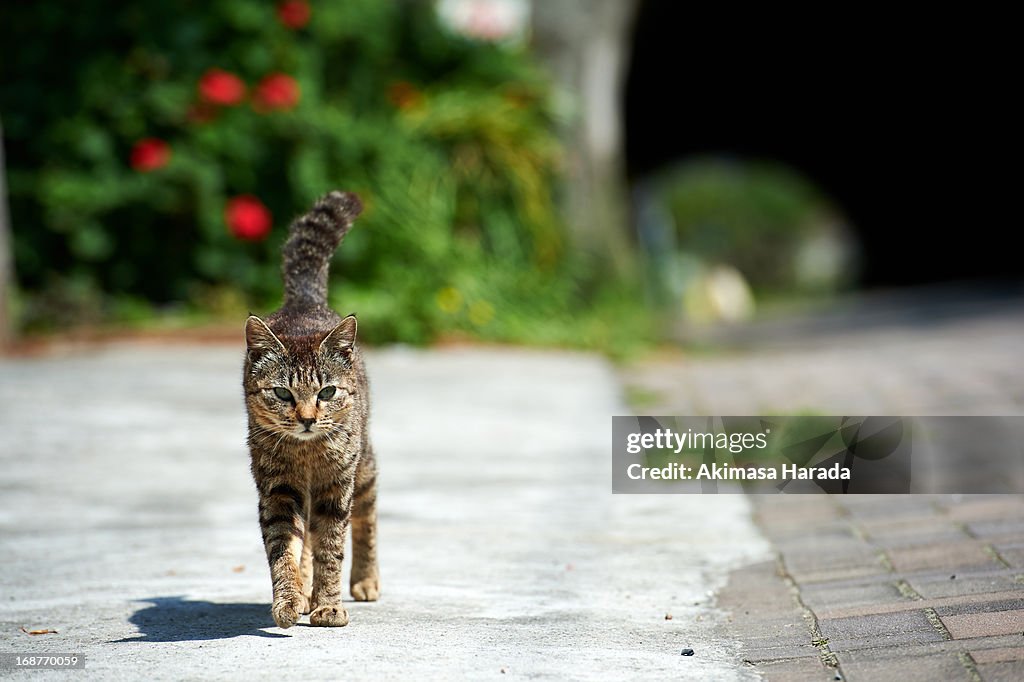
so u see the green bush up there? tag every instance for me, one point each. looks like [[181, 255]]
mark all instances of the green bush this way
[[449, 142], [755, 216]]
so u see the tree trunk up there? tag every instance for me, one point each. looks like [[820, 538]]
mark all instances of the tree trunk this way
[[586, 43], [6, 257]]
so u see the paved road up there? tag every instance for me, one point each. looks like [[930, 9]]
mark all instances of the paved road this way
[[935, 357], [128, 524], [893, 587]]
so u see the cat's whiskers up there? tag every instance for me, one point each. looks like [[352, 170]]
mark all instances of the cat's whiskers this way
[[264, 431], [330, 436], [264, 434], [284, 434]]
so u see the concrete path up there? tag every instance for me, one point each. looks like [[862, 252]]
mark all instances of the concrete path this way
[[128, 525]]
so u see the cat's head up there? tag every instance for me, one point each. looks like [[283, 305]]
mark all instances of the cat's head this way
[[299, 388]]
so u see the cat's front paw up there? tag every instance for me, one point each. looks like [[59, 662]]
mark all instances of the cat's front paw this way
[[286, 610], [367, 589], [329, 616]]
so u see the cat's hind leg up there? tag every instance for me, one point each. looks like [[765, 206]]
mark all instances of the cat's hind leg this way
[[306, 571], [365, 578]]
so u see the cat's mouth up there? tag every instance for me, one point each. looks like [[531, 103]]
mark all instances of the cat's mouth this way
[[305, 434]]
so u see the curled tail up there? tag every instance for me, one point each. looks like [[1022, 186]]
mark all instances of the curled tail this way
[[311, 242]]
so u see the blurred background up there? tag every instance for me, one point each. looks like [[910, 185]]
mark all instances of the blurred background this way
[[611, 174]]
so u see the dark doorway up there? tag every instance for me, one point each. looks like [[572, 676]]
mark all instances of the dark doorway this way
[[894, 130]]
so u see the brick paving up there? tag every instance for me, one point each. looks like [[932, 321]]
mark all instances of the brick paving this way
[[870, 587], [945, 606]]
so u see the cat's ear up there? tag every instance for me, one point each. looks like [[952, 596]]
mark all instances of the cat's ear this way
[[259, 340], [341, 340]]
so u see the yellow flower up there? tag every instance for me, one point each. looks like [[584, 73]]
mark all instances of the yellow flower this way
[[449, 300]]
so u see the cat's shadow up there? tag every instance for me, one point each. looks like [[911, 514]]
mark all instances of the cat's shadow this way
[[176, 619]]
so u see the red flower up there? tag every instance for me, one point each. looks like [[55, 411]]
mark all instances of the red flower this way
[[247, 217], [293, 13], [277, 91], [221, 87], [149, 154]]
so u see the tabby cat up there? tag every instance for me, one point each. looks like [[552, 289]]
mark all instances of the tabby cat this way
[[307, 398]]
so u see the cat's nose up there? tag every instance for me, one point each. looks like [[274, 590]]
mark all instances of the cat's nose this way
[[306, 421]]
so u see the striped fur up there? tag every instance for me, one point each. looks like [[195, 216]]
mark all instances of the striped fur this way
[[312, 460], [311, 242]]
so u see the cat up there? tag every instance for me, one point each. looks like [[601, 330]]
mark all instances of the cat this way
[[307, 398]]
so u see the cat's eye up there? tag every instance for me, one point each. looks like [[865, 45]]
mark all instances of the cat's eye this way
[[283, 394], [326, 393]]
